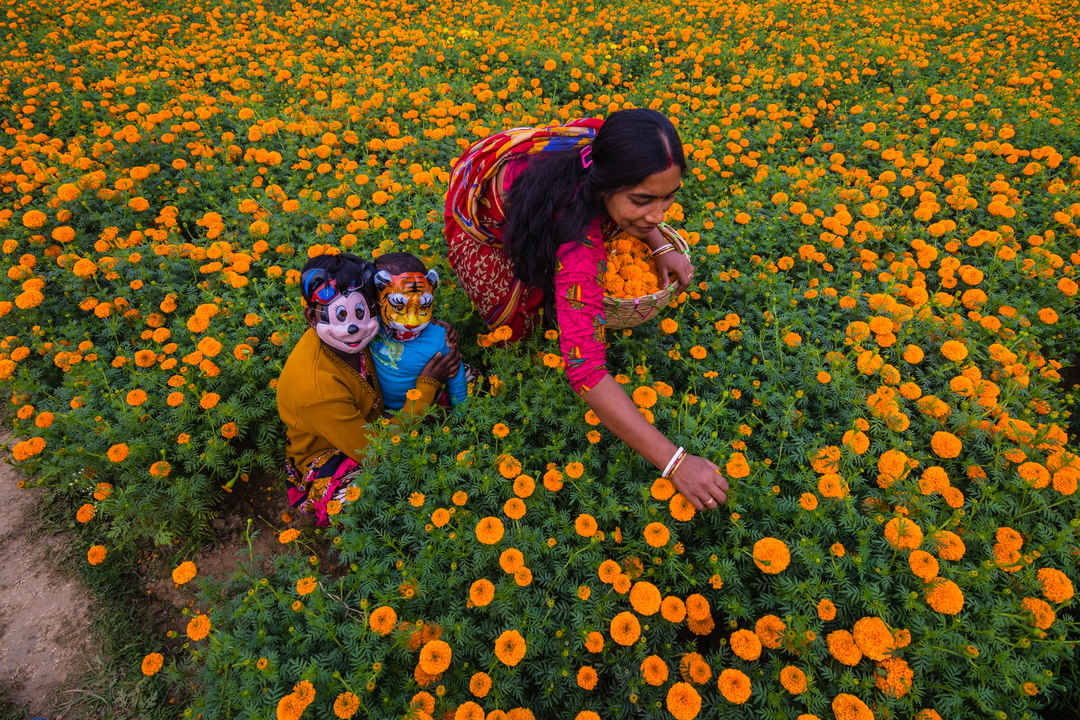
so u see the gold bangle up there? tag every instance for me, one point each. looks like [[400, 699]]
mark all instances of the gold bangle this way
[[678, 464], [666, 248]]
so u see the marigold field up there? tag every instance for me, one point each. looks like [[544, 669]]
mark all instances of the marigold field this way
[[882, 208]]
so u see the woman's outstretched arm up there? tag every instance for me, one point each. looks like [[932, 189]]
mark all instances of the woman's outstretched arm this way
[[696, 478]]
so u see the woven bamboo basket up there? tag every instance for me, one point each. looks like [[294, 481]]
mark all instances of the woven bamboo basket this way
[[622, 313]]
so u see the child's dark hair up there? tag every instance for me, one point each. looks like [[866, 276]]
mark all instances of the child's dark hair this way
[[556, 197], [346, 270], [396, 263]]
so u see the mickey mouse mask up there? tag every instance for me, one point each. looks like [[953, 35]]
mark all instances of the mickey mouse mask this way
[[343, 320]]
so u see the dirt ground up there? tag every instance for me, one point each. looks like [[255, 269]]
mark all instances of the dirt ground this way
[[41, 609], [44, 609]]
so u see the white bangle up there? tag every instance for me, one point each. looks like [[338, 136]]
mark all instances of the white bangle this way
[[674, 459], [662, 249]]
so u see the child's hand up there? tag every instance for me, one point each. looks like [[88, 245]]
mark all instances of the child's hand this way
[[442, 366]]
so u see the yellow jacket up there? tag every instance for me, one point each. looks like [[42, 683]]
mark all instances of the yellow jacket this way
[[326, 405]]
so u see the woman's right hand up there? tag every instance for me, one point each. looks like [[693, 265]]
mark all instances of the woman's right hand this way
[[700, 482], [443, 365]]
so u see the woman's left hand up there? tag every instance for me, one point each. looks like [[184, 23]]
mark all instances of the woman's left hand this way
[[674, 264]]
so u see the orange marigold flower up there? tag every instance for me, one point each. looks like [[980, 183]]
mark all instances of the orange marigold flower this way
[[480, 684], [945, 444], [849, 707], [306, 585], [644, 396], [945, 596], [287, 536], [900, 532], [510, 648], [771, 555], [654, 670], [683, 701], [826, 610], [184, 572], [136, 397], [736, 466], [118, 453], [1043, 615], [481, 592], [656, 534], [680, 508], [673, 609], [435, 657], [489, 530], [585, 525], [746, 645], [923, 564], [382, 620], [645, 598], [587, 677], [793, 679], [1056, 586], [524, 486], [697, 606], [954, 350], [770, 630], [894, 677], [625, 628], [152, 663], [842, 647], [198, 627], [509, 466], [873, 637], [85, 513], [345, 705], [734, 685]]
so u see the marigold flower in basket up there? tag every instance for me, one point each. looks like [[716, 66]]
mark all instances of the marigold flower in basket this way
[[632, 294]]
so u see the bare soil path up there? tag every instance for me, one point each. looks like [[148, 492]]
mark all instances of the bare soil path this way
[[45, 615]]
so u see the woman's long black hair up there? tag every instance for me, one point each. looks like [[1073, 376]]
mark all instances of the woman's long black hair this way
[[556, 197]]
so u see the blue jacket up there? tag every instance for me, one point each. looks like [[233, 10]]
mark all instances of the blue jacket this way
[[398, 364]]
